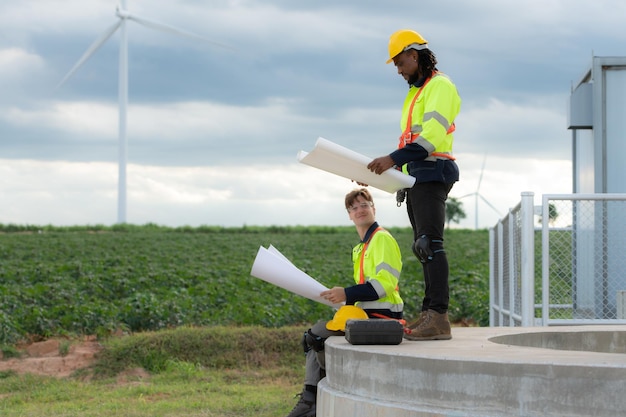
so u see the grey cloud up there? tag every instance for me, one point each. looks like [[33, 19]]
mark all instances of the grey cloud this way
[[325, 59]]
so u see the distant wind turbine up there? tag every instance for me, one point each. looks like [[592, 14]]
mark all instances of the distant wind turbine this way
[[123, 15], [478, 196]]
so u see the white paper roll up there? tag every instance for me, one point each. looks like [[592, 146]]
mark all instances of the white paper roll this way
[[336, 159], [273, 267]]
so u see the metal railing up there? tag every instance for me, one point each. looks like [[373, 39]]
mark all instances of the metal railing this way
[[579, 275]]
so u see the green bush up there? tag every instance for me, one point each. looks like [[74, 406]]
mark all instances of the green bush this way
[[217, 347]]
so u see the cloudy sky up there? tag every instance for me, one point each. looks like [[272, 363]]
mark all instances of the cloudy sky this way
[[213, 132]]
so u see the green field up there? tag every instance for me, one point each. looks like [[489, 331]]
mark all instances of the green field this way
[[95, 280]]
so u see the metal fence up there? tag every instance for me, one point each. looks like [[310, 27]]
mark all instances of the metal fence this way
[[563, 262]]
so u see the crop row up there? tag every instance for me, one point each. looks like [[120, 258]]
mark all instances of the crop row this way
[[94, 281]]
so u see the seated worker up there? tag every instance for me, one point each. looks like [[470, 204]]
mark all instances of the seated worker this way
[[377, 265]]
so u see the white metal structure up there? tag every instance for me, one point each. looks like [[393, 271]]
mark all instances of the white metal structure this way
[[511, 267], [596, 113], [555, 287], [583, 267], [123, 16]]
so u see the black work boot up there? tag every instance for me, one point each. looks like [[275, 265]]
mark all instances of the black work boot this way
[[306, 405]]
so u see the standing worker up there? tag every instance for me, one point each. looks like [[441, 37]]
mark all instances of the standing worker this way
[[425, 152], [377, 263]]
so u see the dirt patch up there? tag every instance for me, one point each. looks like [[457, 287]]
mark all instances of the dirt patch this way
[[56, 358]]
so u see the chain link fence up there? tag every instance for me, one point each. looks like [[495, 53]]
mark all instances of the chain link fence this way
[[511, 284], [578, 275]]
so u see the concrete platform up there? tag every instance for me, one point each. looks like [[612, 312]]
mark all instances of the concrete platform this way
[[489, 371]]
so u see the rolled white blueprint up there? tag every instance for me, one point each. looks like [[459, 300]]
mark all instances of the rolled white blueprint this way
[[272, 266], [336, 159], [276, 252]]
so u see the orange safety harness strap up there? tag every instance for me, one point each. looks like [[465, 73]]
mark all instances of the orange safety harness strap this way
[[382, 316], [365, 245], [409, 137]]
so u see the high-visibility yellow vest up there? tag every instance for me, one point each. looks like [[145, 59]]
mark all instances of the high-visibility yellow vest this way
[[379, 262], [428, 116]]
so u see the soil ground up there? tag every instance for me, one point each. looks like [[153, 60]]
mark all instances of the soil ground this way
[[52, 357]]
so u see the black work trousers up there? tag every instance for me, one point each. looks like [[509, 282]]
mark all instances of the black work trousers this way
[[426, 207]]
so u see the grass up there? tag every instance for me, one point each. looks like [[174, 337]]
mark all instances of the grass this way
[[177, 392], [215, 371], [212, 348]]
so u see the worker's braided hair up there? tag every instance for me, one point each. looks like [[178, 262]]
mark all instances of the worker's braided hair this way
[[427, 61]]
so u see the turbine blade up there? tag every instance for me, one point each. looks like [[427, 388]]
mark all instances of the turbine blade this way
[[467, 195], [489, 204], [90, 51], [168, 28]]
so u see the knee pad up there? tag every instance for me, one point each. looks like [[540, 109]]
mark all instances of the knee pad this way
[[421, 249], [312, 341], [425, 249]]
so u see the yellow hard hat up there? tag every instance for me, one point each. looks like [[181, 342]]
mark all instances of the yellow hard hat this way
[[401, 39], [344, 314]]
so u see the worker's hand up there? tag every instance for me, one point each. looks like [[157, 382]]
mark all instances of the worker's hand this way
[[381, 164], [335, 295]]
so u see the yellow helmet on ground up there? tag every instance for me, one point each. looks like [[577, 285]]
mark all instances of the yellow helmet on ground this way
[[344, 314], [400, 40]]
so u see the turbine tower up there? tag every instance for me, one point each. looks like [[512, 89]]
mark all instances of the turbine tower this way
[[123, 16], [478, 196]]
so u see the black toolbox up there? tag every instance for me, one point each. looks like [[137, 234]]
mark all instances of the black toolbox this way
[[374, 332]]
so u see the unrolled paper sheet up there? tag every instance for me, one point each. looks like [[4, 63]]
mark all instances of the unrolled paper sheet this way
[[272, 266], [336, 159]]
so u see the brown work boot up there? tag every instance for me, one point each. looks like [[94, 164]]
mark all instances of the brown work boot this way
[[434, 326], [417, 322]]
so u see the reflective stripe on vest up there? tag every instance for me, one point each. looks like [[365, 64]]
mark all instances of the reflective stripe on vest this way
[[409, 137]]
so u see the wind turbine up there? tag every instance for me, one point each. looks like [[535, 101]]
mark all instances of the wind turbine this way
[[123, 16], [477, 195]]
